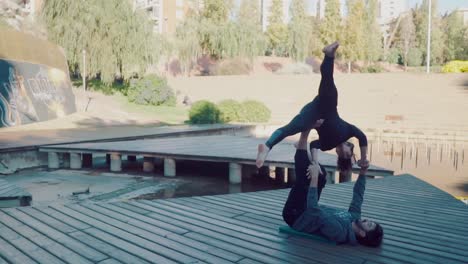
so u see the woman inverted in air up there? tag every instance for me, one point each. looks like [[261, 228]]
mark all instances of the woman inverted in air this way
[[333, 132]]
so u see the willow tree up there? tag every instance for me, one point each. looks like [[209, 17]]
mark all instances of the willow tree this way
[[118, 41], [215, 30], [187, 42], [277, 31], [406, 38], [456, 45], [354, 43], [373, 35], [437, 36], [330, 26], [251, 41], [299, 30]]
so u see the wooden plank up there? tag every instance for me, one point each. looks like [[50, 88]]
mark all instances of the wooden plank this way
[[12, 254], [110, 261], [219, 210], [174, 236], [127, 232], [331, 251], [108, 249], [132, 217], [264, 239], [229, 236], [79, 225], [248, 261], [368, 207], [443, 244], [184, 225], [64, 240], [59, 225], [148, 230], [33, 251], [208, 148], [44, 242], [131, 247], [226, 223], [273, 212]]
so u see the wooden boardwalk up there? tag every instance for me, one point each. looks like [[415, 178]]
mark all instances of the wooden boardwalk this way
[[236, 150], [27, 140], [421, 223], [12, 195]]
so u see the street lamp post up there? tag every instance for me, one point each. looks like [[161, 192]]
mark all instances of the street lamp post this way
[[428, 56]]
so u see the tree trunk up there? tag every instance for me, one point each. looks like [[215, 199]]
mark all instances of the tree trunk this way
[[349, 67]]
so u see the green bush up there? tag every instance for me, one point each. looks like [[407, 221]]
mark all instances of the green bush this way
[[455, 67], [372, 69], [204, 112], [151, 90], [393, 56], [254, 111], [231, 67], [415, 57], [231, 110]]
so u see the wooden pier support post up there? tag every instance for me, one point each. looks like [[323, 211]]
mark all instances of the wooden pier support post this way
[[345, 176], [291, 176], [66, 160], [75, 161], [148, 164], [115, 162], [279, 174], [87, 160], [53, 160], [331, 176], [264, 171], [235, 173], [169, 168]]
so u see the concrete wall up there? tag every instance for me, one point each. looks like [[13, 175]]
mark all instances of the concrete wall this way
[[34, 80]]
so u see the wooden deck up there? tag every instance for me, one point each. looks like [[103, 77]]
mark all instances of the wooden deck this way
[[28, 140], [230, 149], [12, 195], [421, 223]]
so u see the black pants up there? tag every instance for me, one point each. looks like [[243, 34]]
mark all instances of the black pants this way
[[323, 104], [297, 198]]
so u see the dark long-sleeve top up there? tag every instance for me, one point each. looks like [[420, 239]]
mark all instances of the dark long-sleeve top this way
[[335, 131], [331, 223]]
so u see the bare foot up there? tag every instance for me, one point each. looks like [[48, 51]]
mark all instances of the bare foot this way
[[262, 154], [331, 49]]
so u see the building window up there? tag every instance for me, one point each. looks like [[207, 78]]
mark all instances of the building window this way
[[180, 3]]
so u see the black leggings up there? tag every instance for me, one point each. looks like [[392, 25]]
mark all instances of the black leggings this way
[[324, 103], [297, 199]]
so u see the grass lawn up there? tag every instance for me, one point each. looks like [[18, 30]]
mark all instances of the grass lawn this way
[[165, 114]]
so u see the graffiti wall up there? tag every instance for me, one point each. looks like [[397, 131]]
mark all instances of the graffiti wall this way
[[33, 87]]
